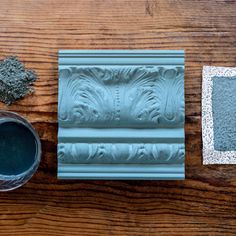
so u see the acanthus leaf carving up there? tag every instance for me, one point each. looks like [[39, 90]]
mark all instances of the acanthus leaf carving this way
[[131, 96], [120, 153]]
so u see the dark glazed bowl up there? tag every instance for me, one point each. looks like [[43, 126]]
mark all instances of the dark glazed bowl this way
[[10, 182]]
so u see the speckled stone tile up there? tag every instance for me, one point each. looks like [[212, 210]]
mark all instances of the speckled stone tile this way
[[219, 115]]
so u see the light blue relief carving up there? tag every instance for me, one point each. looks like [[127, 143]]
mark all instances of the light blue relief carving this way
[[120, 153], [121, 112], [121, 96]]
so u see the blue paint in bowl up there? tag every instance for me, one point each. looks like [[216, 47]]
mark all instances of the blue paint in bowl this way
[[18, 148], [20, 151]]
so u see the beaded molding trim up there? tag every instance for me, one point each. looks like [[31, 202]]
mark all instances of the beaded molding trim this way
[[210, 155]]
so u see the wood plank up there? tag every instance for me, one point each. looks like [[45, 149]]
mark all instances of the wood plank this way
[[204, 204]]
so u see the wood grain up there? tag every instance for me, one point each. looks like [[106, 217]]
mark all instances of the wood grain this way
[[203, 204]]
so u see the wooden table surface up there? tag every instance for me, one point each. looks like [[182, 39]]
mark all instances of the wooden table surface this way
[[203, 204]]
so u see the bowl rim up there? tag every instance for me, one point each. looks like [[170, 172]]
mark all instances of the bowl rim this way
[[14, 117]]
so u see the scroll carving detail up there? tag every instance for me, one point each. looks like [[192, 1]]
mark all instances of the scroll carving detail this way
[[120, 153], [115, 96]]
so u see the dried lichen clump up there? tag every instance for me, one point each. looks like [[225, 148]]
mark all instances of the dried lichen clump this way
[[15, 80]]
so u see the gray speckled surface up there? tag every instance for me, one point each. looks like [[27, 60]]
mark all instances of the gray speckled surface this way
[[226, 153], [224, 113], [15, 80]]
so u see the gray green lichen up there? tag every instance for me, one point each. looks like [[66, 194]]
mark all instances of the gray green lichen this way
[[15, 80]]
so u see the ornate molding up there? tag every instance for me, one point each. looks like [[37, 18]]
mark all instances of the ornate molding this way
[[114, 96], [121, 108], [120, 153]]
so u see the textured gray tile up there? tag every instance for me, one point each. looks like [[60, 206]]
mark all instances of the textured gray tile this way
[[214, 120]]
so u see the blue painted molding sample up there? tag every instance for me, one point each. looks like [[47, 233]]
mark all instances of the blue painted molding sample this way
[[121, 114]]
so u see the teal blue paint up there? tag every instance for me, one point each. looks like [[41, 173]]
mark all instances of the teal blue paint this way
[[17, 148], [122, 171], [121, 57], [122, 96], [121, 135], [121, 114], [224, 113]]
